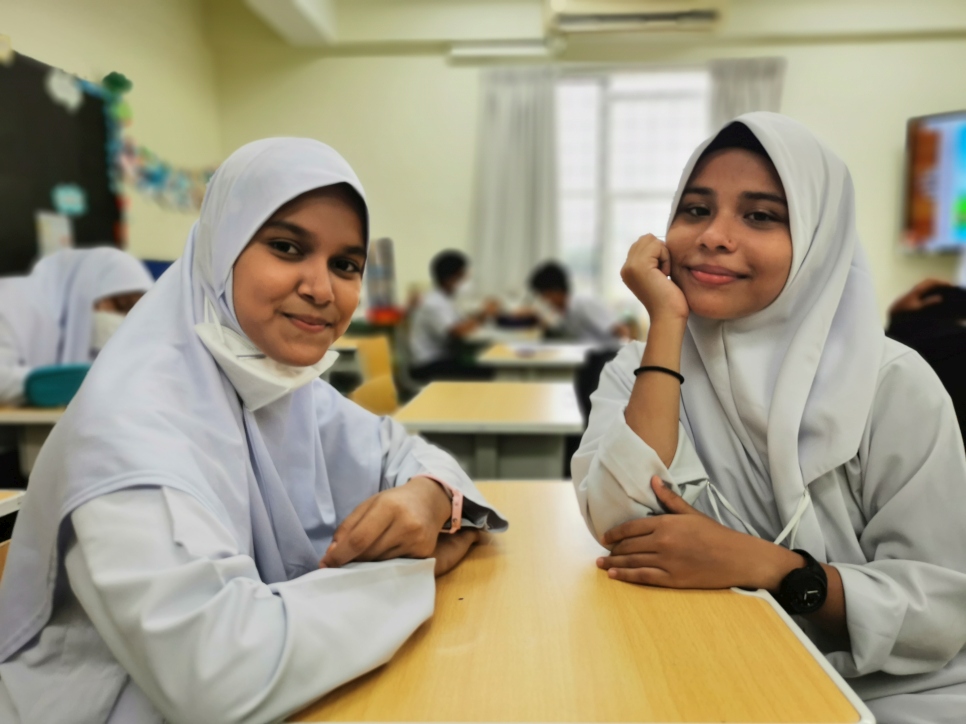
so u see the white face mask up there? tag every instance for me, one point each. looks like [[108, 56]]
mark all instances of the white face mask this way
[[104, 325], [258, 379], [548, 314]]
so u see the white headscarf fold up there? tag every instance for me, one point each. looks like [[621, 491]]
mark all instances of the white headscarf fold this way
[[776, 399], [156, 409]]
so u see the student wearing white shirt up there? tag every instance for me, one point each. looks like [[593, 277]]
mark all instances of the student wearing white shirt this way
[[770, 402], [438, 326], [576, 317], [213, 534]]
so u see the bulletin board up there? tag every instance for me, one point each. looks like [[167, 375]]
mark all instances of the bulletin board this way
[[53, 157]]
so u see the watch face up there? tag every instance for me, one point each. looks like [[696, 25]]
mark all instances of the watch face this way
[[804, 591]]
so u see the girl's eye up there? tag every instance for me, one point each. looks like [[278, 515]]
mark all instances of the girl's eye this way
[[761, 217], [347, 266], [287, 248], [697, 211]]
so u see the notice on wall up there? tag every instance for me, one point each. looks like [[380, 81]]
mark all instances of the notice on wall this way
[[54, 232]]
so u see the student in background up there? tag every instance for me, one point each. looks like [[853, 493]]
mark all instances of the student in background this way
[[438, 327], [64, 311], [183, 552], [576, 317], [770, 436]]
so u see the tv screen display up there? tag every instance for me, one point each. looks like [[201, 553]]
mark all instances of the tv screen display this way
[[935, 213]]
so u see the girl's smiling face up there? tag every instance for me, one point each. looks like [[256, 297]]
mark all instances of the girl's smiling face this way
[[729, 242], [297, 283]]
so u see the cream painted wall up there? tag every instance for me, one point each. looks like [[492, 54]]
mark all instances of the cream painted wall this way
[[161, 47]]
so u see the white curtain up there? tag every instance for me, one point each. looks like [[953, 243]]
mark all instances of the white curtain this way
[[516, 194], [745, 84]]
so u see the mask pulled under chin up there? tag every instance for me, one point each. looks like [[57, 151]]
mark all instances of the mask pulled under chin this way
[[103, 327], [258, 379]]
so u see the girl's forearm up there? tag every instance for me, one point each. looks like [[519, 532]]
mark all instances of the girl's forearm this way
[[654, 407]]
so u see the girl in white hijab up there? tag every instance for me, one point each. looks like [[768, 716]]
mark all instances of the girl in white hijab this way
[[64, 311], [182, 552], [796, 422]]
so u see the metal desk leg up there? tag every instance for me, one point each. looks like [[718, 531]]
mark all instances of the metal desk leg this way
[[485, 457]]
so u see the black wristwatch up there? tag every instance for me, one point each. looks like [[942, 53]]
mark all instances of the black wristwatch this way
[[804, 589]]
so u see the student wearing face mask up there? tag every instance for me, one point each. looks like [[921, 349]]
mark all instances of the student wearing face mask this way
[[213, 533], [64, 311], [438, 327], [770, 436]]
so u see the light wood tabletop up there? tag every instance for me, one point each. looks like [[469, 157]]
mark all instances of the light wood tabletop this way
[[494, 407], [10, 501], [534, 355], [527, 629], [346, 344], [30, 415]]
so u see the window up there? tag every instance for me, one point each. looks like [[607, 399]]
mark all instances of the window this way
[[622, 141]]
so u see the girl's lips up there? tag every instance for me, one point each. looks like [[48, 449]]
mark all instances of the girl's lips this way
[[713, 276], [308, 324]]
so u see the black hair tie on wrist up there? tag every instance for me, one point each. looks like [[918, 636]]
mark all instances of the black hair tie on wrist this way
[[654, 368]]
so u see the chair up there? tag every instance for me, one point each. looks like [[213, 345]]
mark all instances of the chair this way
[[375, 358], [4, 548], [377, 395]]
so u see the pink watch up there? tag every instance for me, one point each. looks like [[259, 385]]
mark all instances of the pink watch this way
[[456, 513]]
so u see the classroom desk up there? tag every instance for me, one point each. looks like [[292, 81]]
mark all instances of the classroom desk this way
[[489, 334], [34, 425], [527, 629], [10, 501], [535, 362], [498, 429], [348, 361]]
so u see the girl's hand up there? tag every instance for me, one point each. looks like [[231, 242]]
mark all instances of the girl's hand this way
[[687, 549], [646, 273], [451, 549], [396, 523]]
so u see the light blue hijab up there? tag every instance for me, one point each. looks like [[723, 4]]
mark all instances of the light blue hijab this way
[[157, 410]]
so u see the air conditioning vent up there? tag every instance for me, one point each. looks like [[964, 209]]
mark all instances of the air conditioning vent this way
[[576, 16]]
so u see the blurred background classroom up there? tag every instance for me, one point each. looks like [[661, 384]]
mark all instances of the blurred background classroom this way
[[512, 151]]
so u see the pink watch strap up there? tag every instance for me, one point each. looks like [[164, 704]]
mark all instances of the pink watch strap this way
[[456, 513]]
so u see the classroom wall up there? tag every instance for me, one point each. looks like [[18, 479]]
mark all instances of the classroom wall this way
[[407, 119], [162, 48]]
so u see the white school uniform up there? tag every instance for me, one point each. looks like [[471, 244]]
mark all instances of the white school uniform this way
[[802, 424], [165, 564], [47, 317], [429, 336], [588, 321]]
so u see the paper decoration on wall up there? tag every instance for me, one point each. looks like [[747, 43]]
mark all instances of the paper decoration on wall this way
[[172, 187], [54, 232], [6, 50], [167, 185], [69, 199], [64, 89]]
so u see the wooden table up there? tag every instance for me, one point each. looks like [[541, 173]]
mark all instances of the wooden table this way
[[10, 501], [537, 362], [527, 629], [498, 429], [34, 425], [348, 361]]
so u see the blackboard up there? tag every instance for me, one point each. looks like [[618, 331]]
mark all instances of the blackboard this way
[[43, 144]]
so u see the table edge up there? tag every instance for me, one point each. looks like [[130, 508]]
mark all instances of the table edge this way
[[865, 715]]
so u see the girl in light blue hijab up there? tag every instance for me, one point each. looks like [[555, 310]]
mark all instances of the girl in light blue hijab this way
[[201, 524]]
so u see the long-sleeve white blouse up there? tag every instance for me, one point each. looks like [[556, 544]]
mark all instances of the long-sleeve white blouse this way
[[168, 609], [892, 519]]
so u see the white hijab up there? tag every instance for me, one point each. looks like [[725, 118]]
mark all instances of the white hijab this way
[[157, 409], [776, 399], [51, 311]]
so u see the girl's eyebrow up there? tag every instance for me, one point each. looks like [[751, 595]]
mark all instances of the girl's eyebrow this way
[[287, 226], [765, 196], [699, 190], [355, 250]]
